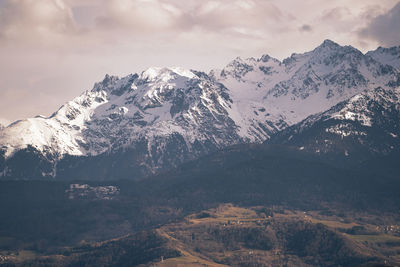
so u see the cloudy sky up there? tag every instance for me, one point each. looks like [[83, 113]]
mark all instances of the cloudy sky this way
[[53, 50]]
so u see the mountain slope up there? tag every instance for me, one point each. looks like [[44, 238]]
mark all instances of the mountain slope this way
[[365, 126], [389, 56]]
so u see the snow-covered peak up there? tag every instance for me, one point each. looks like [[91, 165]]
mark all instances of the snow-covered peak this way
[[165, 74], [246, 69], [332, 54], [329, 48]]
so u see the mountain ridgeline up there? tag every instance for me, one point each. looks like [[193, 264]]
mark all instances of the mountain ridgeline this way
[[333, 102]]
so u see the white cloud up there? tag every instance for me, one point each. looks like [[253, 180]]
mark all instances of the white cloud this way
[[142, 16], [35, 20]]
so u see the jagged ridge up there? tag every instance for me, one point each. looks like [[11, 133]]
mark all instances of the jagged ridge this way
[[165, 116]]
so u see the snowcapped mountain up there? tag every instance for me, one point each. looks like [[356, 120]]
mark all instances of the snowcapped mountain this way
[[132, 126], [116, 112], [276, 94], [161, 110], [361, 127]]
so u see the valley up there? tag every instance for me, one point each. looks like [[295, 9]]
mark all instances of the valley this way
[[229, 235]]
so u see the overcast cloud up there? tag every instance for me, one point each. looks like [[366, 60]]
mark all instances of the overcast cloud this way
[[52, 50], [385, 28]]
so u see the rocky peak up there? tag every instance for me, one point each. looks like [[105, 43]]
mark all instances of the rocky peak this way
[[237, 68], [332, 54], [106, 84], [328, 44], [114, 85], [265, 58]]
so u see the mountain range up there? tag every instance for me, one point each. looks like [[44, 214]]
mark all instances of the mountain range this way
[[333, 101]]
